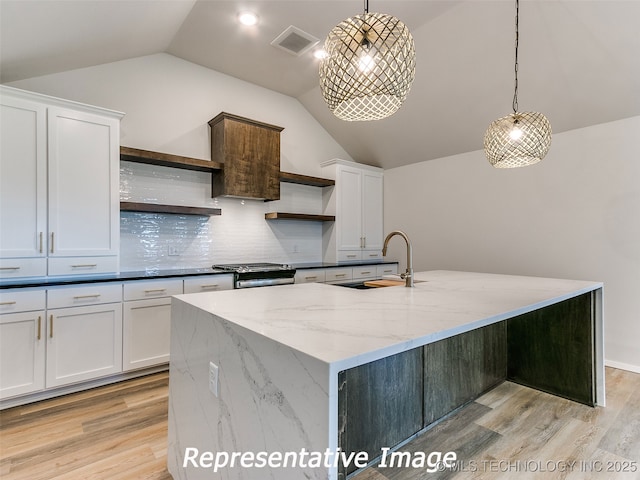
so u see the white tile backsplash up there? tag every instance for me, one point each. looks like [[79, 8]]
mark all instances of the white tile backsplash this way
[[240, 234]]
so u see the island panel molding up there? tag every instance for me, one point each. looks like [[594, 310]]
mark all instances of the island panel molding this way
[[552, 349]]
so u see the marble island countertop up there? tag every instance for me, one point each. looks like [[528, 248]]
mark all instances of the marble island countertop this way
[[346, 327]]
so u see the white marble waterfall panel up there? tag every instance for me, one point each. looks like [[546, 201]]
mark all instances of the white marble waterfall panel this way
[[269, 395], [240, 234]]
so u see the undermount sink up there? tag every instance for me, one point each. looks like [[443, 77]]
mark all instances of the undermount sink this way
[[362, 285], [356, 285]]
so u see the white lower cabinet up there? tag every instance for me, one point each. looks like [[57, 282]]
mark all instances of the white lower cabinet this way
[[338, 275], [83, 343], [147, 322], [208, 283], [21, 353], [22, 341], [147, 329], [84, 334], [312, 275]]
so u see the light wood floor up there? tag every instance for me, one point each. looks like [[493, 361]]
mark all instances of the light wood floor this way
[[119, 432]]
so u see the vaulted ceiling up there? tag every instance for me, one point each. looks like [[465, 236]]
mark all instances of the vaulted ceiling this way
[[579, 61]]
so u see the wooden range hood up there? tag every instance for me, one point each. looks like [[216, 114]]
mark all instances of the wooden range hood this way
[[250, 153]]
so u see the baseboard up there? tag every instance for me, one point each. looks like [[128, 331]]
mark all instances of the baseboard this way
[[622, 366], [78, 387]]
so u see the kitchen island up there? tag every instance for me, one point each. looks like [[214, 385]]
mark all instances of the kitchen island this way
[[271, 382]]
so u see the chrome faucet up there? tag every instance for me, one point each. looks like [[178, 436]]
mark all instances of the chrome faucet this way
[[408, 275]]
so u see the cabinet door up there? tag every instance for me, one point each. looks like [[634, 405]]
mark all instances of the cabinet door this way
[[146, 333], [83, 343], [349, 208], [21, 353], [83, 184], [372, 212], [23, 171]]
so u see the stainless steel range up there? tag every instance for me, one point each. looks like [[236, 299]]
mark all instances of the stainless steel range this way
[[246, 275]]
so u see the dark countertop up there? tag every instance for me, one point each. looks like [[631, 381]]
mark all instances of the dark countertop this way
[[304, 266], [116, 277], [150, 275]]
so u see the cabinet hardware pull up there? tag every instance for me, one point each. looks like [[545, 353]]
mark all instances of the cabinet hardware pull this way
[[7, 303], [364, 242], [351, 256], [85, 265], [40, 242], [50, 326], [80, 297], [365, 273], [39, 326], [155, 290], [341, 274], [311, 278], [212, 285], [9, 268], [52, 238]]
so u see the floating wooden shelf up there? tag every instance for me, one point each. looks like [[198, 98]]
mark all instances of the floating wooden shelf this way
[[299, 216], [167, 160], [175, 209], [305, 180], [187, 163]]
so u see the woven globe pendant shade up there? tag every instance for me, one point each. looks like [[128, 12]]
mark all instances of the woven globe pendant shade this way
[[368, 68], [517, 140]]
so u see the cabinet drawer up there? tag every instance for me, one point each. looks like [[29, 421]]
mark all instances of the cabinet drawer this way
[[22, 300], [339, 274], [311, 275], [143, 289], [88, 294], [209, 283], [372, 255], [82, 265], [366, 271], [387, 269], [23, 267], [349, 256]]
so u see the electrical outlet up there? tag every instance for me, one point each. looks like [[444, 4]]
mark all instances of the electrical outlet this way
[[213, 378], [173, 251]]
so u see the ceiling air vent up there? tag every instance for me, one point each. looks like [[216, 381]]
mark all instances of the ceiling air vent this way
[[295, 41]]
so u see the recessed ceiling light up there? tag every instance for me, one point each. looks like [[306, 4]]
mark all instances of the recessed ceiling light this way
[[248, 18], [320, 54]]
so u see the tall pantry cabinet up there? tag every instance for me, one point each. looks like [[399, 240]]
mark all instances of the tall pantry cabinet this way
[[59, 186], [357, 202]]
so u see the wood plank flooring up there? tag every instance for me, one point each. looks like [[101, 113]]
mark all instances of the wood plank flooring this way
[[516, 432], [119, 432], [114, 432]]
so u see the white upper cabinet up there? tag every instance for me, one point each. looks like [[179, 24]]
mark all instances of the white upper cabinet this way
[[356, 200], [23, 185], [59, 203]]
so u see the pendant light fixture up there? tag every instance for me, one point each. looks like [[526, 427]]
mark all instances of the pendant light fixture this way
[[369, 66], [521, 138]]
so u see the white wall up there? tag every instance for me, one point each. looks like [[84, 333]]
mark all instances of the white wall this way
[[168, 102], [574, 215]]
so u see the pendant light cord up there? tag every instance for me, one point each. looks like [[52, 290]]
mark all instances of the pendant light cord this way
[[515, 93], [366, 6]]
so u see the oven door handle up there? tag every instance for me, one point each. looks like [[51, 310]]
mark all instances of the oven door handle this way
[[263, 282]]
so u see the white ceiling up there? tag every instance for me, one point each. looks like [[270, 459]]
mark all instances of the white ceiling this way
[[579, 59]]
